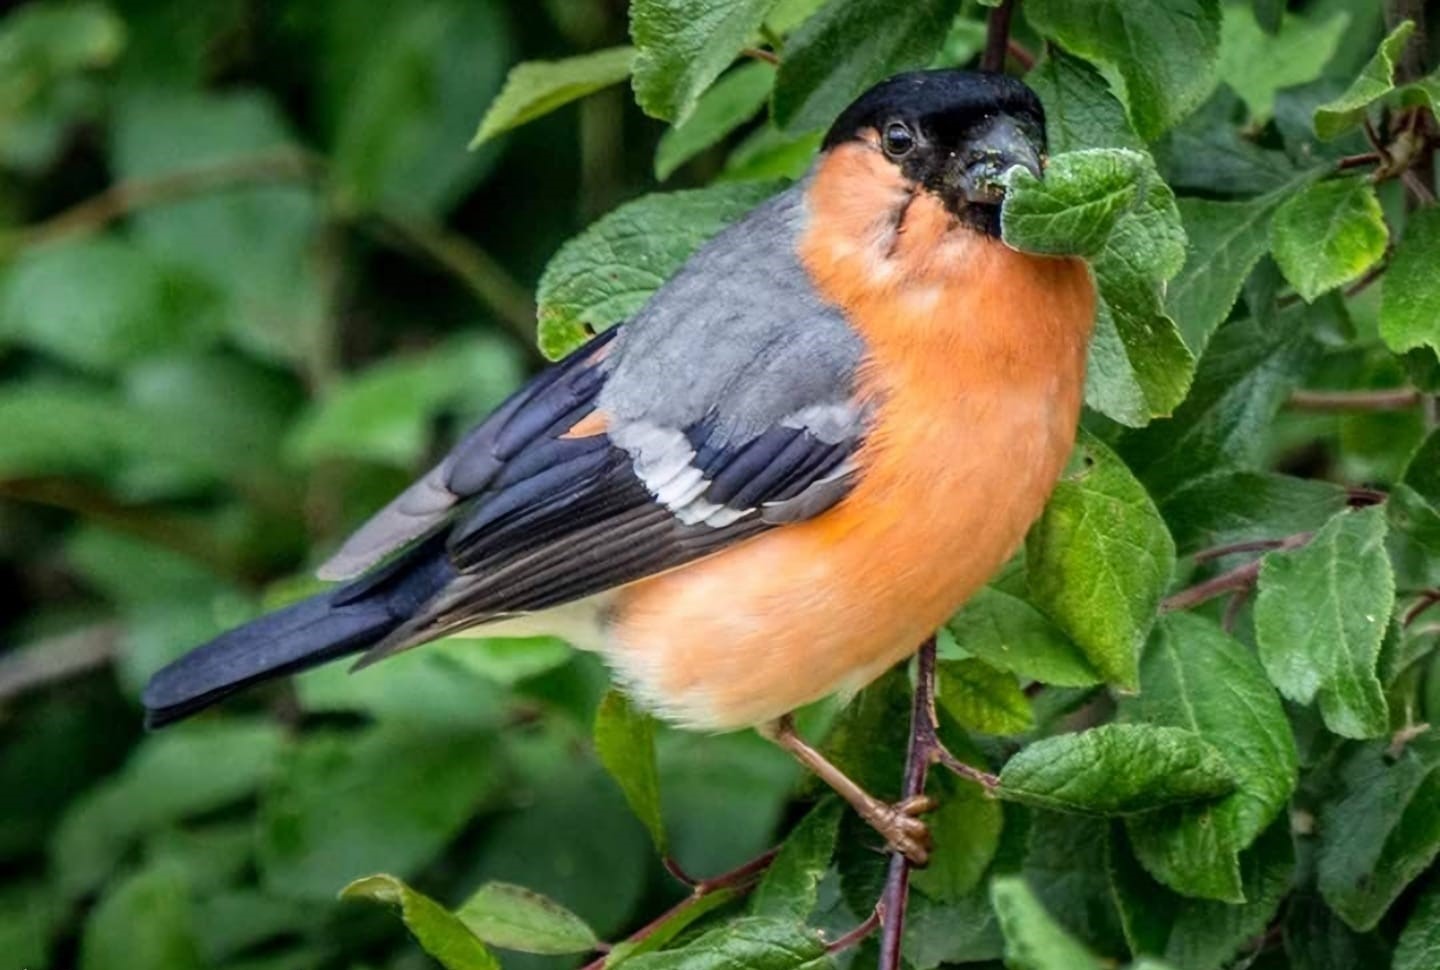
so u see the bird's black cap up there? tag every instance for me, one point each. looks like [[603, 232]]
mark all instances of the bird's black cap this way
[[946, 102]]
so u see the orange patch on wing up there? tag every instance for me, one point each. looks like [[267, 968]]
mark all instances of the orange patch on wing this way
[[596, 422], [976, 367]]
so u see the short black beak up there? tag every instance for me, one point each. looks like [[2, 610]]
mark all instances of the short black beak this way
[[978, 175]]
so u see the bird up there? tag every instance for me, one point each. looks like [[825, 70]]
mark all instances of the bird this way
[[832, 425]]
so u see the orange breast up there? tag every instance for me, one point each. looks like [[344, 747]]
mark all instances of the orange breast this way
[[976, 366]]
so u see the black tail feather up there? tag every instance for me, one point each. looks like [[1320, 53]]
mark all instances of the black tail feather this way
[[324, 627]]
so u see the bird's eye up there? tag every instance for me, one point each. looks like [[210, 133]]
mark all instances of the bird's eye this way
[[898, 140]]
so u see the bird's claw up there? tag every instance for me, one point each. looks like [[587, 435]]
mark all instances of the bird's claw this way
[[904, 830]]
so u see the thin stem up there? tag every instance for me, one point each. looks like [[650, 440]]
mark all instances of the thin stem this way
[[1362, 160], [1020, 53], [672, 866], [761, 54], [1427, 599], [57, 659], [1396, 399], [1254, 545], [743, 878], [1239, 578], [859, 933], [997, 36]]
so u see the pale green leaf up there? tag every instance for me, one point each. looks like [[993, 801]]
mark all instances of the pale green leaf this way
[[733, 100], [1194, 676], [681, 46], [606, 273], [1008, 633], [1328, 235], [1161, 55], [625, 742], [438, 931], [1075, 208], [1319, 619], [791, 884], [1410, 301], [515, 918], [752, 942], [1376, 80], [143, 920], [981, 698], [536, 88], [1116, 769], [966, 832], [1099, 559], [1033, 939], [1257, 63], [847, 46]]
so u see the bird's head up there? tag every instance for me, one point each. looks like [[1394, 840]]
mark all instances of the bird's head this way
[[954, 134]]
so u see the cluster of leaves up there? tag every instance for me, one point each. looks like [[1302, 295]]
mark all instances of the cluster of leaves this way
[[1202, 688]]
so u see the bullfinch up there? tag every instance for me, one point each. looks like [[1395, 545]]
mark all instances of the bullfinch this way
[[778, 478]]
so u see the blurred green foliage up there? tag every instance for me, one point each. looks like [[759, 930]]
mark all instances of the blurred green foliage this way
[[253, 279]]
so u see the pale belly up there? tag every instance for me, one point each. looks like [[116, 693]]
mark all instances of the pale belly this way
[[828, 605]]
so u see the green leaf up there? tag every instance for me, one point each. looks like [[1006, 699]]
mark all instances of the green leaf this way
[[169, 777], [385, 412], [439, 933], [1006, 632], [514, 918], [143, 920], [1237, 506], [1033, 940], [1076, 207], [254, 246], [1225, 241], [398, 107], [1161, 55], [981, 698], [847, 46], [1419, 946], [769, 153], [1065, 860], [387, 798], [606, 273], [536, 88], [1328, 234], [733, 100], [1207, 154], [753, 942], [792, 882], [671, 925], [1319, 619], [1116, 769], [1317, 939], [1376, 80], [1080, 111], [625, 742], [1410, 301], [1381, 828], [1257, 63], [29, 917], [99, 303], [966, 831], [1099, 559], [1196, 677], [681, 46]]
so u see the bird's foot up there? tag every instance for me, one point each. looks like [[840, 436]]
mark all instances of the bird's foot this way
[[902, 827]]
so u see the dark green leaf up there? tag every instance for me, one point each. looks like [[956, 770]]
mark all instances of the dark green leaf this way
[[733, 100], [1236, 506], [1328, 234], [625, 742], [1099, 559], [29, 916], [753, 942], [606, 273], [1033, 940], [386, 799], [982, 698], [682, 46], [1194, 676], [1317, 939], [1419, 946], [1116, 769], [438, 932], [515, 918], [1080, 111], [1410, 301], [1008, 633], [1380, 830], [1065, 861], [848, 46], [966, 832], [536, 88], [1164, 53], [791, 884], [1207, 153], [1319, 619], [1376, 80]]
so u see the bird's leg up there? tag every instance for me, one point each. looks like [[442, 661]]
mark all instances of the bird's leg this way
[[899, 823]]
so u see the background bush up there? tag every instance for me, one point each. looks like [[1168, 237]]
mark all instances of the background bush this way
[[253, 280]]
